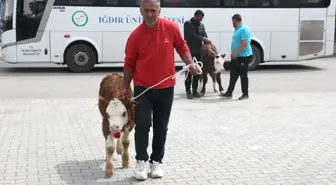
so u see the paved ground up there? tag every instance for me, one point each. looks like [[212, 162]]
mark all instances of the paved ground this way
[[285, 134]]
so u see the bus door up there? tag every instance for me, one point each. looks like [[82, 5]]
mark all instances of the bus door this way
[[8, 38], [312, 30], [331, 29], [332, 22], [2, 9], [32, 41]]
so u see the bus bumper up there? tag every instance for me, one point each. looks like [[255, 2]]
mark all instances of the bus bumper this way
[[9, 54], [8, 46]]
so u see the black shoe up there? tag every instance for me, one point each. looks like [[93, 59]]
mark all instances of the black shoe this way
[[226, 95], [243, 97], [196, 95], [189, 95]]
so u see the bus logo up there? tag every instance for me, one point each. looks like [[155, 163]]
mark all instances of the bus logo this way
[[79, 18]]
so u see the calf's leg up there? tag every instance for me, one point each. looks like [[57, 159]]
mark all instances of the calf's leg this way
[[119, 146], [214, 83], [205, 80], [110, 147], [125, 140], [219, 81], [200, 83]]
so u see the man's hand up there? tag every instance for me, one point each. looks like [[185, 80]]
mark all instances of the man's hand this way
[[209, 50], [206, 40], [194, 70], [211, 53], [241, 48], [233, 55]]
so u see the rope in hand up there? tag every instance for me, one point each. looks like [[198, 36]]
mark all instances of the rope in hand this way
[[197, 64]]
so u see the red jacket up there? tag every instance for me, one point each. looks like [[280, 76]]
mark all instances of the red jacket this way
[[150, 53]]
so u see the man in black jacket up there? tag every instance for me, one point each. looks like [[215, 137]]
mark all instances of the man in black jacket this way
[[194, 34]]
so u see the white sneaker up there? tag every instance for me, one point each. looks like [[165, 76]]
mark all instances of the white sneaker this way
[[156, 170], [141, 170]]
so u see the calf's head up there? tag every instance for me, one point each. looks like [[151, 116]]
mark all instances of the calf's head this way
[[117, 115], [218, 63], [120, 114]]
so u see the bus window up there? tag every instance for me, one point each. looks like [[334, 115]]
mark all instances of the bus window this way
[[314, 3], [7, 15], [2, 10], [276, 3], [191, 3], [28, 18], [99, 3]]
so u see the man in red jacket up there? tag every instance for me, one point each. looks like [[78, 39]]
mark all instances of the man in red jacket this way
[[150, 59]]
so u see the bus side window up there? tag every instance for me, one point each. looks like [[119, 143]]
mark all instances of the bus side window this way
[[191, 3], [131, 3], [102, 3], [247, 3], [315, 3], [237, 3], [276, 3]]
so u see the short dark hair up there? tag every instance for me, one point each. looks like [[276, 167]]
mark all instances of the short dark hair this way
[[236, 17], [199, 13]]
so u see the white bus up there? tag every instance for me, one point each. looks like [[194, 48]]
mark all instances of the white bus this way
[[84, 33]]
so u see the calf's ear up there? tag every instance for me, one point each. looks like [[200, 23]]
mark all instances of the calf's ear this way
[[223, 55], [103, 102]]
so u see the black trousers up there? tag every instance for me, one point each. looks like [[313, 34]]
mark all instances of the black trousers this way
[[159, 102], [239, 68], [195, 78]]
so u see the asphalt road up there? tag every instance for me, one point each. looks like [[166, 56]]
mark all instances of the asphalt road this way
[[42, 80]]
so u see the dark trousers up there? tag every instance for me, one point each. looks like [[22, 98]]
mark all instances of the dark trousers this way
[[194, 80], [159, 102], [239, 68]]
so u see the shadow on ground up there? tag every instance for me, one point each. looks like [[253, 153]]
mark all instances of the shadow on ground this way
[[210, 97], [91, 171]]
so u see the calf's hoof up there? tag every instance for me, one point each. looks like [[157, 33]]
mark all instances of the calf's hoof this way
[[119, 150], [215, 90], [109, 170], [125, 160], [125, 164], [108, 173]]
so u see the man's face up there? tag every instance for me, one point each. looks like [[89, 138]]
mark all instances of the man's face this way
[[150, 13], [199, 18], [234, 23]]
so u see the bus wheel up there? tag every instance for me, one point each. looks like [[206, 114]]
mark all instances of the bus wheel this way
[[80, 58], [256, 58]]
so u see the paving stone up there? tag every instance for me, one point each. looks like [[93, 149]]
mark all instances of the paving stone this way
[[269, 139]]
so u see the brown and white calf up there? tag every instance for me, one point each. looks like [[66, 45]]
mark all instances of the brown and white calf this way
[[117, 110], [212, 65]]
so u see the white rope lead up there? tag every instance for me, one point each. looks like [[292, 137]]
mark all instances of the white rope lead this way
[[197, 64]]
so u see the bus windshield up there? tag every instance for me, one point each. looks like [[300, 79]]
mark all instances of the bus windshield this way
[[28, 18], [7, 15]]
